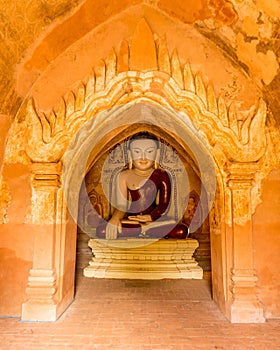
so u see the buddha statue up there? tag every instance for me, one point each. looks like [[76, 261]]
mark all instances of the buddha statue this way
[[143, 195]]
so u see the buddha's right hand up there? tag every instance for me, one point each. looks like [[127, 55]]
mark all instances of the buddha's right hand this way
[[112, 229]]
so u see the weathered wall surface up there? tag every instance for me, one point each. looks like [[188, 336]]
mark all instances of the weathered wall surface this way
[[16, 239], [267, 242]]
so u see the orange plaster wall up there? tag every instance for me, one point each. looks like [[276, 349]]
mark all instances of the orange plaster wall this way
[[16, 242], [16, 251], [69, 263], [266, 226], [217, 271], [88, 16], [191, 11], [5, 123], [17, 177], [95, 14]]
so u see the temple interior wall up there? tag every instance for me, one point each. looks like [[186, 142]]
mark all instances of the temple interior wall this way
[[266, 242], [59, 61]]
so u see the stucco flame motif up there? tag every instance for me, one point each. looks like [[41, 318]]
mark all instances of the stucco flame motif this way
[[123, 78]]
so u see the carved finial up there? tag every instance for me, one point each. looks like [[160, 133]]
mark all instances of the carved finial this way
[[188, 78], [246, 124], [90, 85], [258, 122], [80, 97], [123, 58], [60, 114], [51, 118], [111, 66], [41, 124], [46, 127], [70, 103], [100, 73], [176, 69], [212, 101], [31, 110], [163, 57], [222, 108], [46, 133], [233, 119], [200, 89], [143, 56]]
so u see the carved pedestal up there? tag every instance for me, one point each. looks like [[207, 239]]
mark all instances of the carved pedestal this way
[[153, 259]]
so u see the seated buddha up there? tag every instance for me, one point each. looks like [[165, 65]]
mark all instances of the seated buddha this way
[[143, 195]]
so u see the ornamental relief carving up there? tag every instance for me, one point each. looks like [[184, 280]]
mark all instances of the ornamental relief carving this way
[[162, 79]]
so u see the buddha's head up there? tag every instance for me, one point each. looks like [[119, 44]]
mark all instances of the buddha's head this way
[[143, 150]]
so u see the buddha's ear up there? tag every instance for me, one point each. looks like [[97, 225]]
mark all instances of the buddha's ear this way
[[157, 159], [129, 159]]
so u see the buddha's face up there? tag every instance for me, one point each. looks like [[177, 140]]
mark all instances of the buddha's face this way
[[143, 153]]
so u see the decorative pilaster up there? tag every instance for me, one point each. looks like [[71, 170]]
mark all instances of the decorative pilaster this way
[[245, 307], [41, 289]]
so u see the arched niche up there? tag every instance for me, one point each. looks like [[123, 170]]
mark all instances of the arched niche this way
[[94, 203], [93, 142], [89, 144]]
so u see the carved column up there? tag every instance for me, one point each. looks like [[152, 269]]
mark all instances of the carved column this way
[[41, 289], [245, 305]]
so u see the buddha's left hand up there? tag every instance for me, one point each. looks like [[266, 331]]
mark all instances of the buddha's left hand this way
[[140, 218]]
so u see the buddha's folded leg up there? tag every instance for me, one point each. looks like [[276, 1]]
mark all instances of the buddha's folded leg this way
[[101, 231], [128, 230], [179, 231]]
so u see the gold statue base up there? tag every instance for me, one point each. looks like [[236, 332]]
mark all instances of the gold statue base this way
[[143, 259]]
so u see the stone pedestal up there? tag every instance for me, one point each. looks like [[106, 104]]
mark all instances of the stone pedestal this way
[[143, 259]]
